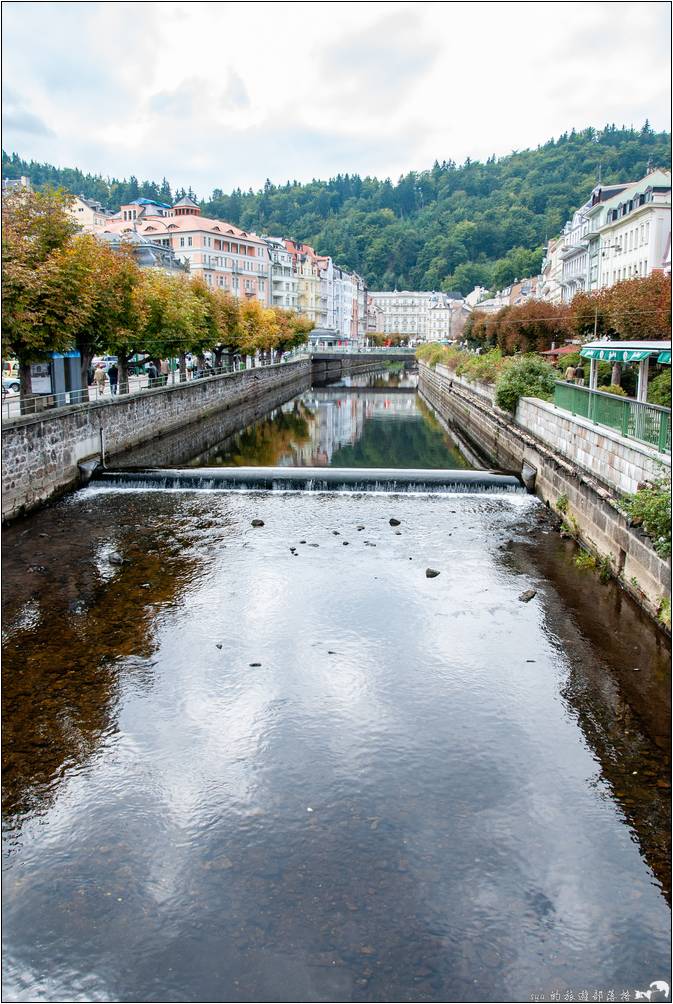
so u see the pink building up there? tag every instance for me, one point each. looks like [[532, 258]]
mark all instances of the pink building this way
[[221, 254]]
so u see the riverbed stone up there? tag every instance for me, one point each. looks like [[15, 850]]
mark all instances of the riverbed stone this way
[[257, 522], [431, 573], [115, 558], [528, 595], [394, 522]]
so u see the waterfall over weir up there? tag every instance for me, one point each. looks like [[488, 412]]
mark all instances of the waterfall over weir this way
[[314, 479]]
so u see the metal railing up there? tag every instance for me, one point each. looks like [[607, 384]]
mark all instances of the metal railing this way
[[365, 349], [648, 423], [14, 407]]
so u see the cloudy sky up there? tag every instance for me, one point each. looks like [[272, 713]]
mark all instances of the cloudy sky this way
[[227, 94]]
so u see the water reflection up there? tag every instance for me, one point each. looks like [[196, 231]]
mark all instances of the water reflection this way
[[360, 425], [618, 685], [74, 626], [458, 752]]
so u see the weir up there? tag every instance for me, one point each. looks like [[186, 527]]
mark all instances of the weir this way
[[315, 479]]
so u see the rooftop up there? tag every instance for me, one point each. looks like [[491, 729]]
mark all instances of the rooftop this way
[[656, 179]]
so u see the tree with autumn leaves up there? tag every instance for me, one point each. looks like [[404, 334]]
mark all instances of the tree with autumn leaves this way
[[69, 291], [632, 309]]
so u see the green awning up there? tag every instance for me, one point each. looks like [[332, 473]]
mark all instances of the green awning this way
[[617, 355], [664, 357]]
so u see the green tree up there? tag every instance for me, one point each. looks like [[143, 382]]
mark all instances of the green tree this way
[[45, 297]]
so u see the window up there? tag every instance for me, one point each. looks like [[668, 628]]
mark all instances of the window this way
[[189, 242], [182, 242], [645, 267]]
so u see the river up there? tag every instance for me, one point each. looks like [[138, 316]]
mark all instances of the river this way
[[279, 763]]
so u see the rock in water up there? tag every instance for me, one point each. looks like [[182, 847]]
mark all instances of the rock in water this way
[[528, 595], [115, 558], [431, 573], [257, 522], [394, 522]]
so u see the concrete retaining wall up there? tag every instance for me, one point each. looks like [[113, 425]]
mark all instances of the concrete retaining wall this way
[[41, 452], [590, 506]]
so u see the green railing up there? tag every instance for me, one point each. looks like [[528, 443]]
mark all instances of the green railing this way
[[648, 423]]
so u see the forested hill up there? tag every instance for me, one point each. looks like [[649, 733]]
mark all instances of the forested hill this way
[[451, 227]]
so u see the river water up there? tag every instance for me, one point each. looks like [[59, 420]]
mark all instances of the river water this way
[[281, 764]]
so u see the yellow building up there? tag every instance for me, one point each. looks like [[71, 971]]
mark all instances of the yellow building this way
[[307, 270]]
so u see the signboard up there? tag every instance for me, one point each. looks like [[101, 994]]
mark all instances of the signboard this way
[[617, 355]]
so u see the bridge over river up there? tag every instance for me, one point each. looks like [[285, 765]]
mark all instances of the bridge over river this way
[[277, 727]]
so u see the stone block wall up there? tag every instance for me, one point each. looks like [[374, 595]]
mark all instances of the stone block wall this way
[[41, 452], [618, 462]]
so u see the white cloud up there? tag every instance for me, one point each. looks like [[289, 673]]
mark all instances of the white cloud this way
[[227, 94]]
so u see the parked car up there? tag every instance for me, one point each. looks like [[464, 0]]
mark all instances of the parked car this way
[[10, 368], [107, 361], [10, 385]]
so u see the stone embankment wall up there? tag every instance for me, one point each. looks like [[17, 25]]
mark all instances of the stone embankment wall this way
[[566, 454], [41, 452]]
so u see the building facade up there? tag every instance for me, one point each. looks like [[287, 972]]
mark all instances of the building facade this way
[[88, 214], [283, 275], [630, 232], [307, 272], [224, 256], [549, 285], [623, 231], [421, 316]]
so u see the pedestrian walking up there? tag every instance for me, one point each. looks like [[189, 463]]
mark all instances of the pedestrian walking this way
[[113, 377], [99, 378], [579, 375], [151, 374], [570, 374], [163, 370]]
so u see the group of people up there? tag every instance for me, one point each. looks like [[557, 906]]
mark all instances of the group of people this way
[[100, 375], [575, 374], [157, 375]]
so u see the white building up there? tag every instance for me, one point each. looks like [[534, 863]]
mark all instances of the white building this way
[[629, 234], [327, 313], [283, 275], [360, 319], [622, 232], [478, 294], [549, 286], [422, 316]]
